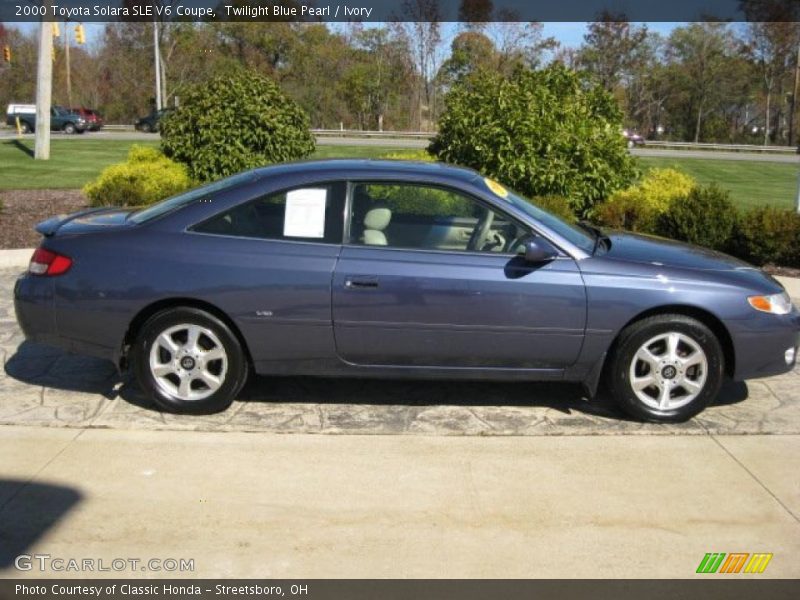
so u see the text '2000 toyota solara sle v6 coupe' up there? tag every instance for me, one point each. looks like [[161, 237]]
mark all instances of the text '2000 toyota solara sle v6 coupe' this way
[[390, 269]]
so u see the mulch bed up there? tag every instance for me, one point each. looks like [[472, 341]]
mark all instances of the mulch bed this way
[[23, 209]]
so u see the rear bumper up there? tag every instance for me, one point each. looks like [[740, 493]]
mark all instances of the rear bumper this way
[[34, 304]]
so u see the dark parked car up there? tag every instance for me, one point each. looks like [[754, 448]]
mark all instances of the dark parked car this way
[[94, 120], [396, 269], [633, 139], [149, 123], [61, 119]]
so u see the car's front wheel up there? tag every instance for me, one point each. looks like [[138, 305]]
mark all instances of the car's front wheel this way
[[666, 368], [189, 361], [69, 128]]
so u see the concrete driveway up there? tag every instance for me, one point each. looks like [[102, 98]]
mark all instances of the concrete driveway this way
[[423, 480], [44, 386]]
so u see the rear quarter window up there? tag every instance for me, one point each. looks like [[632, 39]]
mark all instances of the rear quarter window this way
[[310, 213]]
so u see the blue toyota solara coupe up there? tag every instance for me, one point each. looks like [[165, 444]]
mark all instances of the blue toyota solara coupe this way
[[394, 269]]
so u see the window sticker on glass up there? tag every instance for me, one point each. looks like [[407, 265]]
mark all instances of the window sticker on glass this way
[[305, 213], [496, 187]]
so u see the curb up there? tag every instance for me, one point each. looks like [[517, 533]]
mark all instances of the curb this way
[[15, 258], [21, 257], [792, 285]]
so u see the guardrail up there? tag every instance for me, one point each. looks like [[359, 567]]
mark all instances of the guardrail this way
[[349, 133], [423, 135], [720, 147], [416, 135]]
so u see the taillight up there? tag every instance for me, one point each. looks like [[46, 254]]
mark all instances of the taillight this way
[[46, 262]]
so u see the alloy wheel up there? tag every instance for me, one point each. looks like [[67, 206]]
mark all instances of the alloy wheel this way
[[188, 362], [668, 371]]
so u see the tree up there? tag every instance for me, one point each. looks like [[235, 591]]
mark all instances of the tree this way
[[378, 75], [772, 46], [546, 132], [232, 123], [421, 28], [470, 52], [701, 52], [612, 47], [17, 80]]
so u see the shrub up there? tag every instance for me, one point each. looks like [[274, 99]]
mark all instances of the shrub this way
[[232, 123], [660, 187], [558, 205], [706, 217], [423, 200], [639, 207], [546, 132], [627, 209], [146, 177], [770, 235], [409, 155]]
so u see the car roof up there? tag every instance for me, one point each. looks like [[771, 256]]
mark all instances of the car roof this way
[[356, 168]]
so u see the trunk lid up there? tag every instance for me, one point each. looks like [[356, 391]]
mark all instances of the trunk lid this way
[[85, 221]]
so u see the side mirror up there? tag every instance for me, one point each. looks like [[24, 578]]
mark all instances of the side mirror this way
[[538, 250]]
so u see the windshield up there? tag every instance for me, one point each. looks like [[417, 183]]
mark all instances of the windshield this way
[[572, 233], [170, 204]]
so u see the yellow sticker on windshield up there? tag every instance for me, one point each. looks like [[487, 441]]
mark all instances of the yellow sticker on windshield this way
[[496, 187]]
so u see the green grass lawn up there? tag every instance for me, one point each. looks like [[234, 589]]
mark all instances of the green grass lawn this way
[[751, 184], [74, 162]]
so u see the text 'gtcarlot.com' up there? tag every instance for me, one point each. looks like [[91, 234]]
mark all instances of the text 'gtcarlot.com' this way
[[46, 562]]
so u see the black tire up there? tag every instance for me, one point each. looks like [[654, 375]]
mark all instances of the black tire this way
[[24, 127], [69, 128], [634, 337], [147, 128], [232, 381]]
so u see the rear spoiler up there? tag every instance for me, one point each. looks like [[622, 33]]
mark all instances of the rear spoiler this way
[[50, 226]]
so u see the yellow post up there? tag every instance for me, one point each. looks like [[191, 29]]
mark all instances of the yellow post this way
[[19, 126]]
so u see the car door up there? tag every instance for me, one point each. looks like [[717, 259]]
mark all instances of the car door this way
[[269, 264], [412, 288]]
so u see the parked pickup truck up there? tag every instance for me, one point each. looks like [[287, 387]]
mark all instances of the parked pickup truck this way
[[61, 119]]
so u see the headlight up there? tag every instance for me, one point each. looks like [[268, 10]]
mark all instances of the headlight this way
[[777, 304]]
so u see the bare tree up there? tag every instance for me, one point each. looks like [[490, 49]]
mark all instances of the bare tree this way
[[420, 24]]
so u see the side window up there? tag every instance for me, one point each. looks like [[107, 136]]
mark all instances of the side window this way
[[312, 213], [406, 215]]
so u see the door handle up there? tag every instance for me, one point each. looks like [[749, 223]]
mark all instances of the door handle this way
[[361, 282]]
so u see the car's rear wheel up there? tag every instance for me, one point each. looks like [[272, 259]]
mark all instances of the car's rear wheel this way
[[189, 361], [666, 368], [24, 127]]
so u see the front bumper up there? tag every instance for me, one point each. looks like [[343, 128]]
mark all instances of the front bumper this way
[[762, 346]]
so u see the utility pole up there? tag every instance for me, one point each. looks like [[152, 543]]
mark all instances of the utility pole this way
[[66, 58], [792, 124], [44, 88], [157, 52]]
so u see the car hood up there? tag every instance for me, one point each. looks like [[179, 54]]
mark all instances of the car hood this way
[[646, 249], [86, 221]]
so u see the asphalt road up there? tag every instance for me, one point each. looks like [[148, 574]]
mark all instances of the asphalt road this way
[[422, 143]]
